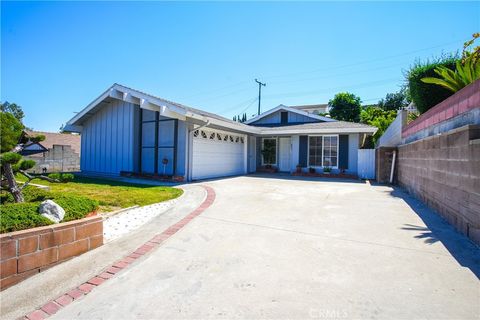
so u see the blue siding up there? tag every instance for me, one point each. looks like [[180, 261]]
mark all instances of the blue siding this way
[[107, 140]]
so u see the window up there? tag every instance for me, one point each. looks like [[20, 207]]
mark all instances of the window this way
[[323, 151], [269, 151], [284, 117], [315, 151]]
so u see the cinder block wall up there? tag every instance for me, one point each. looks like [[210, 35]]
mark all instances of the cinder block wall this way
[[59, 158], [444, 172]]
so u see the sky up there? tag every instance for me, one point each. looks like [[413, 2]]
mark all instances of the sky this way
[[57, 57]]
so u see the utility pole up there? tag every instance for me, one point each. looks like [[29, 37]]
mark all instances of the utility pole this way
[[259, 93]]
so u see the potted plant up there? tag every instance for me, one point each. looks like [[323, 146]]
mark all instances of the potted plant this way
[[299, 168], [311, 170], [327, 170]]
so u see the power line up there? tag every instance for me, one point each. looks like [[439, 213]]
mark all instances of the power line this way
[[363, 62], [362, 85]]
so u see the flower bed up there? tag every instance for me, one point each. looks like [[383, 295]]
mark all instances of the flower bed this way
[[323, 175]]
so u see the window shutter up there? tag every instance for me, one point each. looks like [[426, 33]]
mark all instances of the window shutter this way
[[303, 151], [343, 151]]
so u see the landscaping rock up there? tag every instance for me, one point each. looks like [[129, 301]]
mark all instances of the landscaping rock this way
[[51, 211]]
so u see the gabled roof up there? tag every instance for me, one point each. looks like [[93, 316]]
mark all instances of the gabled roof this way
[[328, 127], [290, 109], [178, 111], [150, 102]]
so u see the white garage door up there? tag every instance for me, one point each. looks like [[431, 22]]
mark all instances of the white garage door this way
[[217, 154]]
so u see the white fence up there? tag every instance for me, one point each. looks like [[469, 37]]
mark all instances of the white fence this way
[[366, 163]]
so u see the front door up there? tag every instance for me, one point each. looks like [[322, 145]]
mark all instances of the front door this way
[[284, 153]]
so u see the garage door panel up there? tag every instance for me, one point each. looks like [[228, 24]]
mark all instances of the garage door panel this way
[[221, 156]]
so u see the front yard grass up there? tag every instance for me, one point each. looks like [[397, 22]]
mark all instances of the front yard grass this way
[[112, 195]]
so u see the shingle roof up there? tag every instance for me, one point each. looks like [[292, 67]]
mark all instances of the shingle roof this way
[[63, 139], [321, 125]]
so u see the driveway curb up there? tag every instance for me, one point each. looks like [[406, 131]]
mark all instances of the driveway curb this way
[[54, 305]]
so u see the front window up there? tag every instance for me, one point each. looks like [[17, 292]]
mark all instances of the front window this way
[[323, 151], [269, 151]]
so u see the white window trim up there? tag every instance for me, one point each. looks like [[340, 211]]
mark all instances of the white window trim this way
[[276, 150], [323, 145]]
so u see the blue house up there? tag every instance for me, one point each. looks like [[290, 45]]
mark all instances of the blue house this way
[[129, 131]]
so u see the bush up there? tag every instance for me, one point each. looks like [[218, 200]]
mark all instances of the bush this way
[[55, 176], [30, 194], [67, 177], [425, 95], [76, 207], [20, 216], [62, 177]]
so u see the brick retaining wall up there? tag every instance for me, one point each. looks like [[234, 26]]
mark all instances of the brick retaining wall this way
[[27, 252], [461, 102], [444, 172]]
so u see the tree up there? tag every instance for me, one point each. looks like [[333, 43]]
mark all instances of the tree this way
[[13, 139], [377, 117], [345, 106], [394, 101], [13, 109]]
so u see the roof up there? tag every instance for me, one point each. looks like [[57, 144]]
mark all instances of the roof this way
[[290, 109], [321, 127], [310, 106], [179, 111], [63, 139], [147, 101]]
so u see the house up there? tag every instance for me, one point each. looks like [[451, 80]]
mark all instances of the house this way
[[128, 131], [57, 153]]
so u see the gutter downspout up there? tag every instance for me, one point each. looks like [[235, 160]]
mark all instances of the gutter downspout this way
[[190, 148]]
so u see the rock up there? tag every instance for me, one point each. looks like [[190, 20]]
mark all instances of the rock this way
[[51, 211]]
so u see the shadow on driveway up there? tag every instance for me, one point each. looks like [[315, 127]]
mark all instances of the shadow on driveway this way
[[437, 229]]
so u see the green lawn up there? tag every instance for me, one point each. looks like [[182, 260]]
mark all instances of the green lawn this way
[[110, 194]]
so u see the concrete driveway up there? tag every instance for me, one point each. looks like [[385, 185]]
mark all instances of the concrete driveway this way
[[281, 247]]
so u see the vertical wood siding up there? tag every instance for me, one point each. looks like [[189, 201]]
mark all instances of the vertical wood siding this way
[[107, 140]]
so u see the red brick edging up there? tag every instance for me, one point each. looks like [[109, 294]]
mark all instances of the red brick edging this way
[[109, 272]]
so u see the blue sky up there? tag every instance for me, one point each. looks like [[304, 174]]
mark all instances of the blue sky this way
[[56, 57]]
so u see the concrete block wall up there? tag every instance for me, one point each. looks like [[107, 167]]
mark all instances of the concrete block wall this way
[[444, 172], [28, 252], [59, 158]]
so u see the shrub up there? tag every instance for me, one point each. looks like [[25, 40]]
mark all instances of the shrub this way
[[67, 177], [20, 216], [426, 95], [62, 177], [76, 207], [55, 176], [30, 194]]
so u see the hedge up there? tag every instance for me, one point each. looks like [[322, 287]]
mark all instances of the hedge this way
[[425, 95], [76, 207], [20, 216]]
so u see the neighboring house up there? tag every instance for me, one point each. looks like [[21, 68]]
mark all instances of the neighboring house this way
[[128, 131], [313, 108], [57, 153]]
